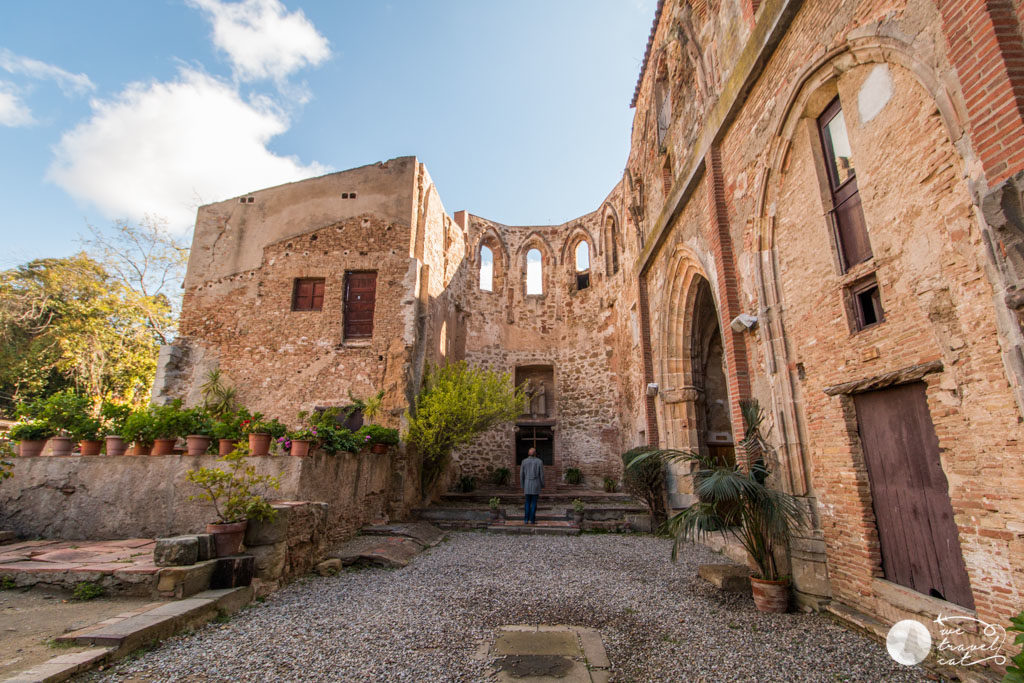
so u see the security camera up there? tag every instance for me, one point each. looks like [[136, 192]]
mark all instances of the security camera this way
[[743, 322]]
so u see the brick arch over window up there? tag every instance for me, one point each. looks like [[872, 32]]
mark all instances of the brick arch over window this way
[[578, 235], [499, 251], [812, 90], [661, 100], [537, 241], [611, 239]]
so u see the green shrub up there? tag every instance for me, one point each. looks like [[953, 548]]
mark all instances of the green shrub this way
[[229, 425], [87, 590], [494, 503], [7, 583], [337, 439], [233, 492], [85, 428], [198, 422], [646, 481], [610, 485], [170, 421], [1015, 673], [139, 427], [33, 430], [260, 425], [371, 434], [114, 416], [501, 476], [62, 410], [457, 402], [574, 476], [467, 484]]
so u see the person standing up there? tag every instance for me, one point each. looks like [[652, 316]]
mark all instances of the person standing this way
[[531, 478]]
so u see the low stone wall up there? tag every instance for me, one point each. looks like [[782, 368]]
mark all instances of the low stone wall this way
[[99, 497]]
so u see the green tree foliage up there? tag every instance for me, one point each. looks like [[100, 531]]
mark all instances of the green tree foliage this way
[[457, 403], [66, 323]]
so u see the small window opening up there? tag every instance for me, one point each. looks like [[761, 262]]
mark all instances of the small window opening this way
[[582, 265], [486, 269], [308, 294], [866, 300], [666, 176], [534, 272]]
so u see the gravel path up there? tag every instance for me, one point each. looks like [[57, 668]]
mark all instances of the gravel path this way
[[424, 623]]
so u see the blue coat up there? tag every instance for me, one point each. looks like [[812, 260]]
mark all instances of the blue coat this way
[[531, 476]]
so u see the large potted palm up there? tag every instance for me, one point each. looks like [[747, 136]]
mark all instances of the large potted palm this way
[[736, 501]]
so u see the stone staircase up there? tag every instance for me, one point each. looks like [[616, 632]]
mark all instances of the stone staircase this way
[[602, 511]]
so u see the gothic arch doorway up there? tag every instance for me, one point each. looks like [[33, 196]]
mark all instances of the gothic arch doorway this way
[[709, 379]]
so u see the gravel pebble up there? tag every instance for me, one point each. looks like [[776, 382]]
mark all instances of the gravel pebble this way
[[658, 620]]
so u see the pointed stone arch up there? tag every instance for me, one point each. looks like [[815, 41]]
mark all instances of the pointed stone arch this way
[[611, 239], [549, 260], [492, 239]]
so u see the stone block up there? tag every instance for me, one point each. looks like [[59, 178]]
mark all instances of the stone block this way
[[176, 551], [233, 572], [265, 532], [207, 548], [7, 537], [329, 567], [181, 582], [270, 560], [728, 577]]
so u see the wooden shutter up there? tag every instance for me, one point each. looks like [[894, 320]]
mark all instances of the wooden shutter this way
[[919, 540], [360, 298], [851, 232], [308, 294], [317, 296]]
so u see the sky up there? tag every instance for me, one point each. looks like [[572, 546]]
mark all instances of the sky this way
[[119, 109]]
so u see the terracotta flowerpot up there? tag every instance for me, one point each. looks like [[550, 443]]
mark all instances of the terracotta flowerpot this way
[[379, 448], [60, 445], [770, 596], [495, 515], [227, 537], [225, 446], [116, 446], [577, 517], [163, 446], [300, 448], [259, 444], [31, 449], [141, 449], [90, 447], [197, 443]]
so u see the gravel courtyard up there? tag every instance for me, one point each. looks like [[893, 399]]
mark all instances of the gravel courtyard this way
[[425, 622]]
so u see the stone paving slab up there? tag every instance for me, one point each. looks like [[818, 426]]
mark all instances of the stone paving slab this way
[[385, 551], [424, 533], [63, 667], [120, 565], [526, 653]]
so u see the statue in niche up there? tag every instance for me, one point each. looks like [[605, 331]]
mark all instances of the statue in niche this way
[[540, 401]]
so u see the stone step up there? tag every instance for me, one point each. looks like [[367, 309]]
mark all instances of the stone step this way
[[557, 496], [132, 631], [539, 529]]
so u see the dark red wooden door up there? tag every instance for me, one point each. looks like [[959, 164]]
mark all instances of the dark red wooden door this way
[[360, 298], [919, 542]]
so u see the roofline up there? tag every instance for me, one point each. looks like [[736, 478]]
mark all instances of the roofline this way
[[647, 53]]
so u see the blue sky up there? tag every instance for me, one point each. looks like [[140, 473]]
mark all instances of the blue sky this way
[[115, 109]]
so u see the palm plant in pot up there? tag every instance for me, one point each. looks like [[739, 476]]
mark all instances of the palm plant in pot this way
[[234, 494], [738, 502]]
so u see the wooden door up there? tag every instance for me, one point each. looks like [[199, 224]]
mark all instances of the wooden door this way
[[360, 298], [919, 541]]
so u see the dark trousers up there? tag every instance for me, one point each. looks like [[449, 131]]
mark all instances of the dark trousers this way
[[530, 515]]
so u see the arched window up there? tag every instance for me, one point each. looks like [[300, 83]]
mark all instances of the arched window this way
[[582, 265], [662, 101], [486, 269], [611, 241], [534, 272]]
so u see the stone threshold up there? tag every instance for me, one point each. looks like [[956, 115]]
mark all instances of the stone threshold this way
[[119, 636]]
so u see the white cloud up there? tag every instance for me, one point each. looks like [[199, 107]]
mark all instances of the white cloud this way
[[13, 112], [69, 83], [262, 39], [164, 148]]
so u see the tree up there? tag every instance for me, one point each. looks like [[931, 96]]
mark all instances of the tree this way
[[67, 323], [147, 260], [457, 403]]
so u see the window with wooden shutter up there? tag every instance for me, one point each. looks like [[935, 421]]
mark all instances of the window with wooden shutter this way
[[847, 215], [308, 294], [360, 298]]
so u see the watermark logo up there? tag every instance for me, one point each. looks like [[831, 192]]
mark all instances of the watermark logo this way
[[964, 641], [908, 642]]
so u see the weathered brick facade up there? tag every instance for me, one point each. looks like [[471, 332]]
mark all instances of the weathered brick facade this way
[[725, 214]]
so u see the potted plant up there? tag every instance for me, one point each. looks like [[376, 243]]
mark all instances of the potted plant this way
[[233, 492], [85, 429], [199, 428], [138, 429], [262, 433], [170, 422], [577, 511], [610, 485], [32, 436], [227, 429], [299, 441], [495, 505], [737, 501], [377, 438], [573, 476], [114, 416], [61, 411]]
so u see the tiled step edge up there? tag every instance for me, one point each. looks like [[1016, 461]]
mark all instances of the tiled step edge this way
[[117, 637]]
